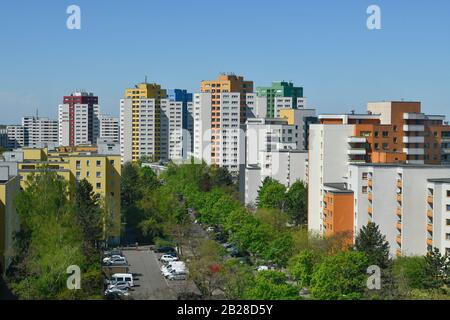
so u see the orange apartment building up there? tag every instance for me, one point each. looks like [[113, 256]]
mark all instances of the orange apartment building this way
[[225, 83]]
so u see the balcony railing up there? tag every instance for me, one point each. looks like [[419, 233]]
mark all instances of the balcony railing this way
[[370, 183], [398, 239], [430, 227], [399, 183], [399, 226], [399, 197], [398, 212], [430, 214], [430, 199], [430, 242]]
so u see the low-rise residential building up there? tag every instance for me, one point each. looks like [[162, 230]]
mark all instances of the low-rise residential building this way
[[102, 171]]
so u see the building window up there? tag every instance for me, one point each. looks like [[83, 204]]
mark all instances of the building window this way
[[88, 174], [98, 174], [447, 236], [448, 207], [99, 163], [448, 222], [78, 164], [99, 185], [88, 163], [448, 193], [364, 190], [385, 134], [78, 174], [364, 176]]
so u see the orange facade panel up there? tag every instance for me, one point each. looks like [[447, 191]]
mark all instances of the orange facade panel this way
[[340, 214]]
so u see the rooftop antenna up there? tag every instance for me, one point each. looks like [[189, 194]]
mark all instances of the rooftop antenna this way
[[146, 80], [37, 113]]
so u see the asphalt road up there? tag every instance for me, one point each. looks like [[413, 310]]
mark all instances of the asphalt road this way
[[149, 282]]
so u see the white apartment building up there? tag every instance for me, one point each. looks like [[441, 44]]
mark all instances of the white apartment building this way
[[202, 127], [109, 128], [16, 136], [285, 166], [231, 145], [40, 132], [256, 106], [410, 204], [288, 103], [172, 130], [78, 124], [328, 163], [143, 120]]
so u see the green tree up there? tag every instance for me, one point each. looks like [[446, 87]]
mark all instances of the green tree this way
[[296, 205], [272, 285], [437, 269], [237, 277], [88, 215], [271, 194], [339, 277], [370, 241], [52, 240], [302, 266]]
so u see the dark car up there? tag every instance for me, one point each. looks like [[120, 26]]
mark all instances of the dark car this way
[[167, 250]]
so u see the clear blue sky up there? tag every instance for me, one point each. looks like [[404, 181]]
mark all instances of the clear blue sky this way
[[323, 45]]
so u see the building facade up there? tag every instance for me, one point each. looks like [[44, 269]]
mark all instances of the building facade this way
[[109, 128], [40, 131], [78, 119], [279, 89], [140, 122]]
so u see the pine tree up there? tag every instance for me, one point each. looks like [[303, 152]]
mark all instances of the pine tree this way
[[370, 241]]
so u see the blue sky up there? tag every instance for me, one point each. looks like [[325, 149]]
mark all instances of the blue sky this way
[[323, 45]]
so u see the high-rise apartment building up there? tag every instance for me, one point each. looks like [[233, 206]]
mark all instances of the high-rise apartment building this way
[[40, 131], [172, 130], [228, 112], [109, 128], [140, 122], [279, 89], [78, 119], [392, 133], [16, 136]]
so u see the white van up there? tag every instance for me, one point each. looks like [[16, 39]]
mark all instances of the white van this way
[[126, 277]]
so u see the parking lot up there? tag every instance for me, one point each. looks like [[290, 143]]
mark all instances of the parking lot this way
[[149, 282]]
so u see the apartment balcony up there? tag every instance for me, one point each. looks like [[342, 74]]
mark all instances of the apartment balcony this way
[[398, 212], [430, 199], [370, 183], [399, 226], [414, 151], [357, 152], [370, 196], [430, 242], [430, 214], [399, 183], [357, 140], [414, 116], [399, 198], [414, 128], [398, 253], [429, 227], [398, 239], [370, 210], [357, 161], [416, 139]]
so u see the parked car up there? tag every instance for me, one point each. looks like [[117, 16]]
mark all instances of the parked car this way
[[175, 271], [168, 258], [117, 262], [114, 257], [166, 250], [116, 294], [122, 285], [177, 276]]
